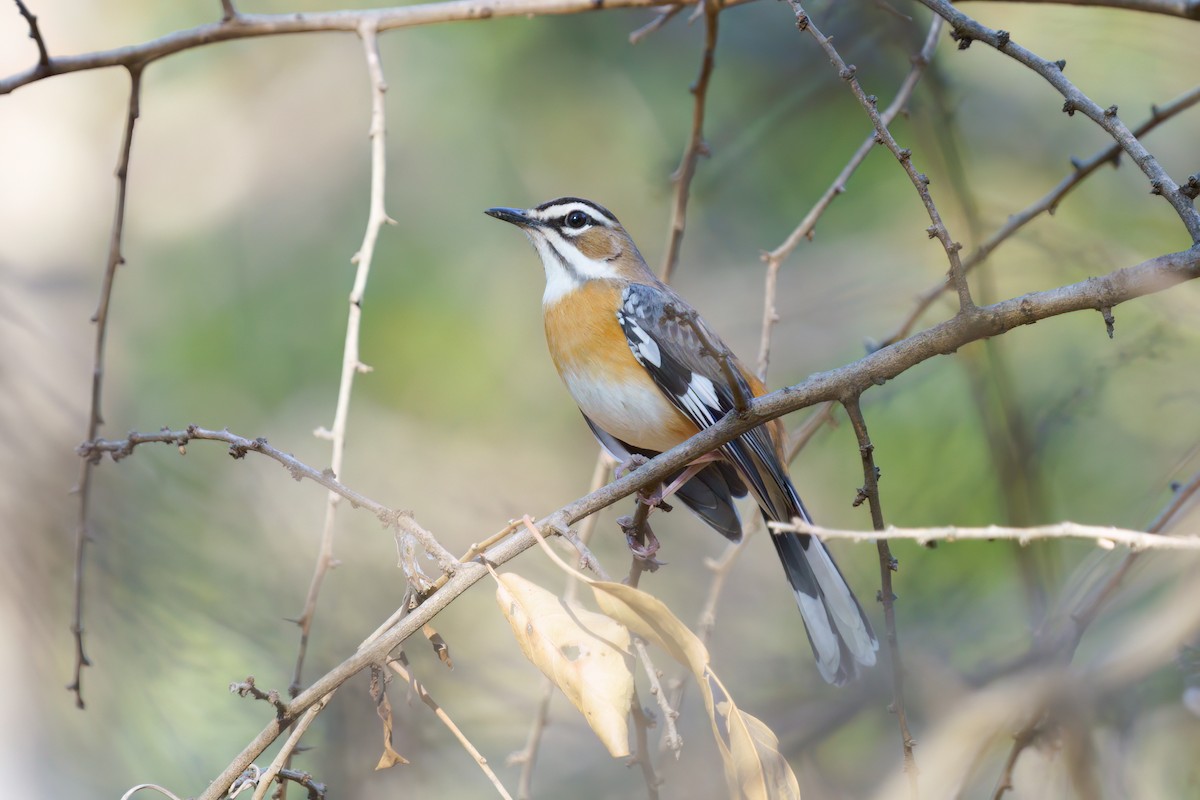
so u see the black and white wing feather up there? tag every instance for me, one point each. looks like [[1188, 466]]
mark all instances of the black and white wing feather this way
[[693, 368]]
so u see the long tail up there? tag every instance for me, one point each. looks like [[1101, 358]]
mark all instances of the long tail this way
[[838, 630]]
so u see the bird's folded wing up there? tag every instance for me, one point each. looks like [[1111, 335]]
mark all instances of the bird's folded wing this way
[[703, 379]]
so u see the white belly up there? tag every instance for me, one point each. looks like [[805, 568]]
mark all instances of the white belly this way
[[635, 412]]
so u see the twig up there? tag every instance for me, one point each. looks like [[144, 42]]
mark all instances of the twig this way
[[35, 33], [775, 258], [1188, 9], [887, 565], [527, 756], [642, 723], [228, 11], [247, 688], [1047, 203], [967, 30], [937, 228], [650, 27], [239, 446], [351, 365], [1081, 618], [1104, 537], [95, 418], [289, 746], [696, 145], [440, 713], [245, 26]]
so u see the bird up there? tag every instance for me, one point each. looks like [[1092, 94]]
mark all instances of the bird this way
[[648, 372]]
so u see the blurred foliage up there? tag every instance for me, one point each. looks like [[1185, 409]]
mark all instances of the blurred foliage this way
[[248, 194]]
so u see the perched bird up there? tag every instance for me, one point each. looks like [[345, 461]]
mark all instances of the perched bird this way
[[648, 373]]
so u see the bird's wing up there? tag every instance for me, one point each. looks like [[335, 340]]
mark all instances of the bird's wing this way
[[709, 493], [703, 379]]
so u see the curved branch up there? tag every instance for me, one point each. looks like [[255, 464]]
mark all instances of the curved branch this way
[[245, 26], [1188, 9], [967, 30]]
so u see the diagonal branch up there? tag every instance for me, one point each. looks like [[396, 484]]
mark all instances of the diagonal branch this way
[[35, 33], [351, 365], [696, 145], [239, 446], [967, 30], [937, 228], [95, 417], [245, 26], [1048, 203], [804, 230], [1188, 9], [887, 565]]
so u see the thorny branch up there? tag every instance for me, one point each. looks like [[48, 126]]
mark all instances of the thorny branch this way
[[804, 230], [887, 565], [351, 364], [937, 228], [239, 446], [527, 756], [95, 418], [1105, 537], [967, 30], [1047, 203], [245, 26], [1062, 646], [35, 33], [696, 145]]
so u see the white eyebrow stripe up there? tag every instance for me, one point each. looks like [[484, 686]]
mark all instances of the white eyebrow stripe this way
[[561, 210]]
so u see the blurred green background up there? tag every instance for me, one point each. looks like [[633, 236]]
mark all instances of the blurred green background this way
[[247, 198]]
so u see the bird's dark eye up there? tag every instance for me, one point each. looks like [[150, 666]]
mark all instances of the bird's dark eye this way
[[577, 219]]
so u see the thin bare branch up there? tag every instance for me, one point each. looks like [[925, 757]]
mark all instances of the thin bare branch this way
[[887, 565], [35, 33], [967, 30], [1047, 203], [1105, 537], [245, 26], [696, 145], [239, 446], [664, 16], [351, 364], [804, 230], [298, 729], [1188, 9], [937, 229], [527, 756], [444, 718], [95, 417], [1082, 617]]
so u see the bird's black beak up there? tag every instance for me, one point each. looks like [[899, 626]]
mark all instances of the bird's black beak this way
[[514, 215]]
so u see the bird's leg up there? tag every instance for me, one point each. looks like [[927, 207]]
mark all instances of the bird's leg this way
[[643, 544], [657, 497]]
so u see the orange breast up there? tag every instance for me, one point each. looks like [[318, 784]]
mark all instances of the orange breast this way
[[594, 361]]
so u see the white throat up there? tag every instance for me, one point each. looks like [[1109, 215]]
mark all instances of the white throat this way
[[566, 268]]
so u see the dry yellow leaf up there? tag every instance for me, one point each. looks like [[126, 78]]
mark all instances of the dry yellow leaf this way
[[754, 768], [585, 654]]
